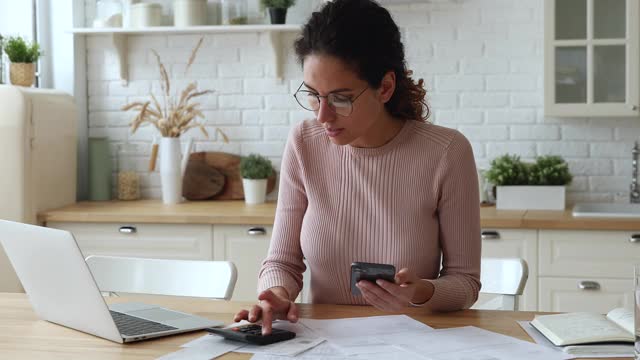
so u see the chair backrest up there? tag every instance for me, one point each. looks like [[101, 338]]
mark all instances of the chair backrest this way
[[209, 279], [506, 277]]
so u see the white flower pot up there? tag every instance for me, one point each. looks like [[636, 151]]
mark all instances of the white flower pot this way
[[170, 170], [530, 198], [255, 191]]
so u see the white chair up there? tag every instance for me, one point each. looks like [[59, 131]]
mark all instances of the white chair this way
[[505, 277], [209, 279]]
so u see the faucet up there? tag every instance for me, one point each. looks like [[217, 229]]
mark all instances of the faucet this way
[[634, 193]]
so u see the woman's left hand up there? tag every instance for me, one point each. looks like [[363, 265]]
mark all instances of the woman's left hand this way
[[388, 296]]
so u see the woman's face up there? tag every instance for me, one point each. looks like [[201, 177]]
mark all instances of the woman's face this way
[[324, 75]]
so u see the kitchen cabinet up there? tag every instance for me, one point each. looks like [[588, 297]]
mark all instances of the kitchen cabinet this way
[[591, 58], [574, 263], [520, 243], [246, 247], [586, 270], [165, 241]]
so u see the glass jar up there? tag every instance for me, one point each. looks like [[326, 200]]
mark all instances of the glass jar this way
[[234, 12], [108, 14], [128, 178]]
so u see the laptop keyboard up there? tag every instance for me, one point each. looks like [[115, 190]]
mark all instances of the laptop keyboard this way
[[131, 325]]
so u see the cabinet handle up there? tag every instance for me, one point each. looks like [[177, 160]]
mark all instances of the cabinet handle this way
[[588, 285], [490, 235], [634, 107], [127, 229], [257, 231], [635, 238]]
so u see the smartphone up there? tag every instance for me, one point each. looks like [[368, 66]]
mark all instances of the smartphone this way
[[370, 272]]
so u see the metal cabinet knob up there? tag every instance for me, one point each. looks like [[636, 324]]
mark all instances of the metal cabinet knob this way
[[257, 231], [588, 285], [127, 229], [634, 107], [634, 238], [489, 235]]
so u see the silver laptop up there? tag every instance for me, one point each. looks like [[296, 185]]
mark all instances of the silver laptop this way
[[62, 290]]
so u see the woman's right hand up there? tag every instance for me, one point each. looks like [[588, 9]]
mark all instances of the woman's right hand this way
[[274, 305]]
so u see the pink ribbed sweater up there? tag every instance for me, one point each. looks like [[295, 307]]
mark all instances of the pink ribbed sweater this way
[[405, 203]]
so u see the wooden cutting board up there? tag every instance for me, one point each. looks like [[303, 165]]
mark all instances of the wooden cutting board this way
[[225, 163]]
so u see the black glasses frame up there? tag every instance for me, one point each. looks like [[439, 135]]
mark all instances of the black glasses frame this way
[[326, 97]]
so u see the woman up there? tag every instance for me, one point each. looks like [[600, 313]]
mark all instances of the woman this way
[[369, 179]]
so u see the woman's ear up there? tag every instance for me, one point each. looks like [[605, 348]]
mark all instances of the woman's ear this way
[[387, 87]]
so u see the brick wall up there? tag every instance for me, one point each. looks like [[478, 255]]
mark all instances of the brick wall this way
[[481, 59]]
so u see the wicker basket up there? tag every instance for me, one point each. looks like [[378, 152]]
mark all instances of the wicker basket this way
[[22, 74]]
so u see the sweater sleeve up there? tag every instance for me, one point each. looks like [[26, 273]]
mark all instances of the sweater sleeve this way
[[283, 265], [458, 283]]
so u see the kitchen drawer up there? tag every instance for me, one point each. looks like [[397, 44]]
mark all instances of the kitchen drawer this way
[[246, 246], [566, 295], [516, 243], [163, 241], [606, 254]]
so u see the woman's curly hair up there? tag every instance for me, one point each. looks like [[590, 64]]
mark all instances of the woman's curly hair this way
[[362, 34]]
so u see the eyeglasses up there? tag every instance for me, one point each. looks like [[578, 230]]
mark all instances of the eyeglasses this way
[[340, 104]]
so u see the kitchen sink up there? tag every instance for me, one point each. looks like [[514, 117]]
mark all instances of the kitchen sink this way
[[607, 210]]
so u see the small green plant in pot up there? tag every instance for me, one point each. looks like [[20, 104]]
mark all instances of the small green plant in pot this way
[[23, 56], [255, 170], [549, 170], [534, 186], [277, 9]]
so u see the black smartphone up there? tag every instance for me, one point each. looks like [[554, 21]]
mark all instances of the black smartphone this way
[[370, 272]]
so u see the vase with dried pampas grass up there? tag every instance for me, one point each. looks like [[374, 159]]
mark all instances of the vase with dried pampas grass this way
[[173, 117]]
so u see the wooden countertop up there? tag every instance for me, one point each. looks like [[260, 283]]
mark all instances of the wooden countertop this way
[[238, 213], [24, 336]]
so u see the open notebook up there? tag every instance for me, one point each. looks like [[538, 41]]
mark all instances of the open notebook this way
[[586, 328]]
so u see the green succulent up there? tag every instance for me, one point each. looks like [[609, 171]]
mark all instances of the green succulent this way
[[255, 167], [19, 51], [507, 170], [549, 170], [281, 4]]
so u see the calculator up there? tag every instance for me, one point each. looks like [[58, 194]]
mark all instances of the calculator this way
[[252, 334]]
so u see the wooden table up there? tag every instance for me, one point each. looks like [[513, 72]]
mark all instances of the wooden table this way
[[24, 336]]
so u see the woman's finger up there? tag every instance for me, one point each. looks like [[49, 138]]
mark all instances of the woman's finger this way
[[292, 314], [255, 313], [380, 296], [241, 315], [400, 292], [267, 318]]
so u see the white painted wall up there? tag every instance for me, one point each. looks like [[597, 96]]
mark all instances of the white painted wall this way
[[481, 59]]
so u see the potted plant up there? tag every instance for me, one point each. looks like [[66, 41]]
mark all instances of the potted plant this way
[[277, 9], [23, 56], [537, 186], [255, 170]]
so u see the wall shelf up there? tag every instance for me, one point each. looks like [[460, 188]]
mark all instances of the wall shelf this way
[[119, 38]]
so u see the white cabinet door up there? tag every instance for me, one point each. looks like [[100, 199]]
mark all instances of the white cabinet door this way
[[574, 253], [521, 243], [591, 58], [163, 241], [584, 294], [246, 246]]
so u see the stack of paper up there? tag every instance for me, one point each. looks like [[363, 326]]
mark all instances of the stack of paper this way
[[375, 338]]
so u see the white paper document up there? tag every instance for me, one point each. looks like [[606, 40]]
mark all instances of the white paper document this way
[[588, 351], [366, 335], [204, 348], [470, 343]]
